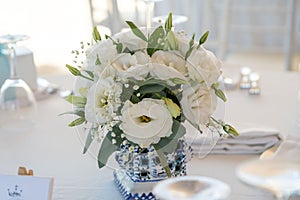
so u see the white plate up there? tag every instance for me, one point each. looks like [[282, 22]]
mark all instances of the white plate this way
[[192, 188]]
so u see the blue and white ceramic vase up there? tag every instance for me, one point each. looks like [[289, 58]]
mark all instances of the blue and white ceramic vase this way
[[140, 168]]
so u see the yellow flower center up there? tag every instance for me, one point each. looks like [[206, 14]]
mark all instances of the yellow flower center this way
[[145, 118]]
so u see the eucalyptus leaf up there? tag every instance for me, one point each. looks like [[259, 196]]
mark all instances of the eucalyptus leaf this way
[[136, 31], [169, 144], [90, 73], [107, 148], [77, 122], [79, 113], [155, 88], [76, 100], [155, 41], [163, 160], [88, 140]]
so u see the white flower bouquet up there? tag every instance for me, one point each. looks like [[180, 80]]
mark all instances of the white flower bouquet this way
[[139, 87]]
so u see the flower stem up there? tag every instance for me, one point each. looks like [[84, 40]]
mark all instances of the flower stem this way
[[163, 160]]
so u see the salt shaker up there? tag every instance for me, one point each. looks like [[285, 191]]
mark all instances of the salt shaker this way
[[245, 79], [254, 86]]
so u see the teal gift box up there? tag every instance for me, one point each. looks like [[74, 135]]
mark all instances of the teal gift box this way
[[4, 65]]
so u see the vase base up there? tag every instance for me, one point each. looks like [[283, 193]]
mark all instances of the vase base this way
[[133, 190]]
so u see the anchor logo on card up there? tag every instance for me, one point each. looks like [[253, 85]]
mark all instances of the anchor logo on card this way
[[15, 193]]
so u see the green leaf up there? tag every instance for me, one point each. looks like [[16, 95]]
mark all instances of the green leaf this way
[[119, 47], [90, 73], [168, 23], [136, 31], [77, 122], [79, 113], [88, 140], [191, 46], [97, 62], [173, 108], [151, 88], [203, 39], [73, 70], [96, 34], [155, 41], [76, 100], [172, 40], [230, 130], [106, 150], [169, 144], [134, 99], [163, 160]]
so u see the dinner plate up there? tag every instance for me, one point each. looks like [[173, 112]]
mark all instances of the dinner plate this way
[[191, 188]]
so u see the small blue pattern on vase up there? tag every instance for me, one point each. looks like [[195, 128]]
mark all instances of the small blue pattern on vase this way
[[144, 164]]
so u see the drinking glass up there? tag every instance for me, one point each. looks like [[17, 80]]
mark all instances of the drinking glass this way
[[279, 174], [149, 12], [17, 102]]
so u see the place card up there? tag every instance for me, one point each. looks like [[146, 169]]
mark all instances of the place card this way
[[25, 188]]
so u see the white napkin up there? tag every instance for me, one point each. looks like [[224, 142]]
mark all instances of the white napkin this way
[[249, 141]]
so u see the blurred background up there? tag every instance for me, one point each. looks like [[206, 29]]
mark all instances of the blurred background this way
[[261, 33]]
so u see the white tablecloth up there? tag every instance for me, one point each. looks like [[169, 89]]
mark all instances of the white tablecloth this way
[[54, 150]]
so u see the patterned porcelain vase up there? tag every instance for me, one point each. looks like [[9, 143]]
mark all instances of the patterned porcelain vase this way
[[140, 169]]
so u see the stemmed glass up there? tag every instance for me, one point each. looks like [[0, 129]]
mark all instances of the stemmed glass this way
[[17, 102], [149, 12], [279, 174]]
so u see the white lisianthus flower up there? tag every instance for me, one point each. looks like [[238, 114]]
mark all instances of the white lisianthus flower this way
[[198, 103], [124, 61], [103, 100], [142, 58], [104, 50], [131, 41], [204, 66], [81, 86], [146, 122], [162, 72], [171, 59], [183, 43]]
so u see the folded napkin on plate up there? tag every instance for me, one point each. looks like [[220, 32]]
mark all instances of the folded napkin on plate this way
[[249, 141]]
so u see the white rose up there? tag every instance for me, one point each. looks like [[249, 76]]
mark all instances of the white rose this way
[[128, 39], [103, 100], [198, 103], [204, 66], [146, 122], [171, 59]]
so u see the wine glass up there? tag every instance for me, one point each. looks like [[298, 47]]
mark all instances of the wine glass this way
[[17, 102], [279, 174], [149, 12]]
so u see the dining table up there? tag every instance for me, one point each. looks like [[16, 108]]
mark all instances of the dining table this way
[[52, 149]]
